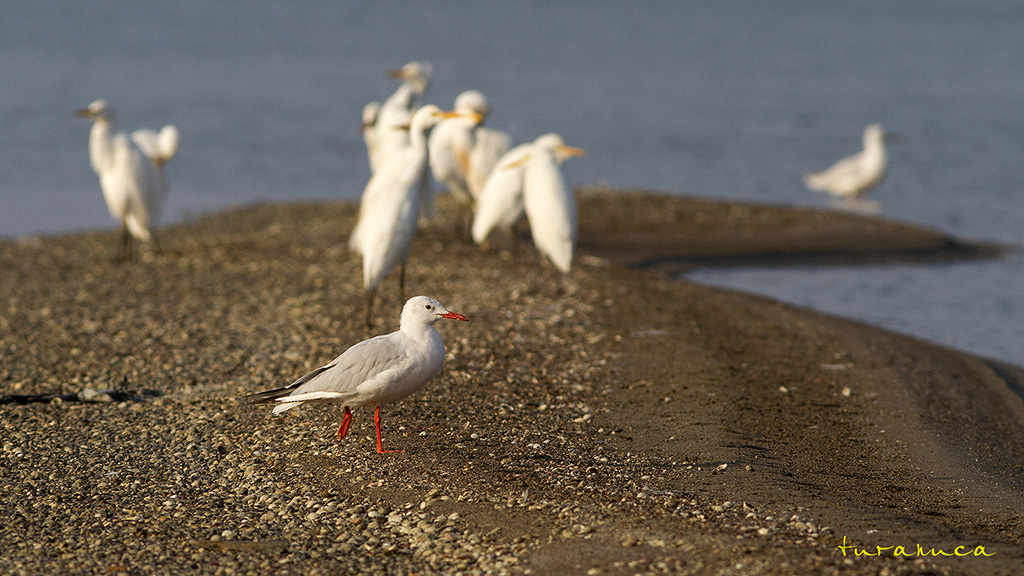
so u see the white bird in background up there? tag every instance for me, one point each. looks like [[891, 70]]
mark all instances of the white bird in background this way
[[488, 149], [451, 143], [463, 151], [550, 206], [398, 109], [377, 371], [131, 175], [369, 131], [502, 201], [390, 206], [854, 175]]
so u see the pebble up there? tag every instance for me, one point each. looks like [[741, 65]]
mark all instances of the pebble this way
[[241, 301]]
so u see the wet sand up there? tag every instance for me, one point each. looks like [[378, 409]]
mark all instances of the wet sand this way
[[610, 421]]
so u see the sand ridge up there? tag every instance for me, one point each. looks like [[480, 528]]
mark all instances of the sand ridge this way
[[609, 421]]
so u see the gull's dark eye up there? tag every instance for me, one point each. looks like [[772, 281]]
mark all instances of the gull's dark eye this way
[[428, 307]]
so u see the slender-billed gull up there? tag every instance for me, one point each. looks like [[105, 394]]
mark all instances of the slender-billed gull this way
[[374, 372]]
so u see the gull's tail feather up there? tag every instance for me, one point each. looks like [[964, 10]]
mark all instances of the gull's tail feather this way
[[269, 395]]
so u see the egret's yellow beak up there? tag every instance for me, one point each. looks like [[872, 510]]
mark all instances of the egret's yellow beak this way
[[570, 151], [517, 163], [475, 116]]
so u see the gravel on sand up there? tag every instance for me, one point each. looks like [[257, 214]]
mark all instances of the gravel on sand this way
[[610, 421]]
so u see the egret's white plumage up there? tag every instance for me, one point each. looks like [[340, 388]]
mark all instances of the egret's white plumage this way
[[550, 207], [390, 205], [502, 200], [451, 143], [377, 371], [130, 170], [463, 151], [369, 130], [398, 109], [854, 175], [489, 146]]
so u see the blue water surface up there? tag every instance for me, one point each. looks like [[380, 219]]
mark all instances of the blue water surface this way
[[730, 100]]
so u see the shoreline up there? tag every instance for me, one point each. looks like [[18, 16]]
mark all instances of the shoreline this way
[[609, 421], [682, 232]]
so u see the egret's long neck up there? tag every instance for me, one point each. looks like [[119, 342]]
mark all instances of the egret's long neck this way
[[417, 155], [418, 86], [418, 140], [101, 145], [874, 147]]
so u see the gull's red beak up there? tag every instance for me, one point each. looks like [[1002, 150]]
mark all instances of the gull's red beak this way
[[455, 316]]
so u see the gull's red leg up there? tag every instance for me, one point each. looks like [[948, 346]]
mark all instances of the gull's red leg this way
[[380, 445], [345, 421]]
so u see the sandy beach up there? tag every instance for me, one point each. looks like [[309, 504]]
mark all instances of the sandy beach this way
[[615, 420]]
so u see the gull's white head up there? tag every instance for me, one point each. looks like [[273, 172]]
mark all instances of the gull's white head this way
[[421, 310]]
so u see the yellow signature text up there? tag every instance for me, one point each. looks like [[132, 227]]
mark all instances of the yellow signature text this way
[[911, 551]]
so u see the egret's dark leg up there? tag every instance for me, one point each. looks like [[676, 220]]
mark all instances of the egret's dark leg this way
[[370, 294], [126, 243], [401, 283]]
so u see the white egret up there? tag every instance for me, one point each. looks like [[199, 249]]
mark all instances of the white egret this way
[[489, 147], [397, 110], [131, 174], [463, 151], [451, 143], [390, 207], [377, 371], [550, 204], [854, 175], [502, 202], [369, 130]]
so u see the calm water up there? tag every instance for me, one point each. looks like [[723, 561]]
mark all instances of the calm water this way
[[732, 100]]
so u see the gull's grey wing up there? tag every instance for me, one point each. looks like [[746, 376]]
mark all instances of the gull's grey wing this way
[[356, 365]]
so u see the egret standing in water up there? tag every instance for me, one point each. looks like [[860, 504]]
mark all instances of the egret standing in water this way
[[853, 176], [131, 174], [502, 202], [390, 206]]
